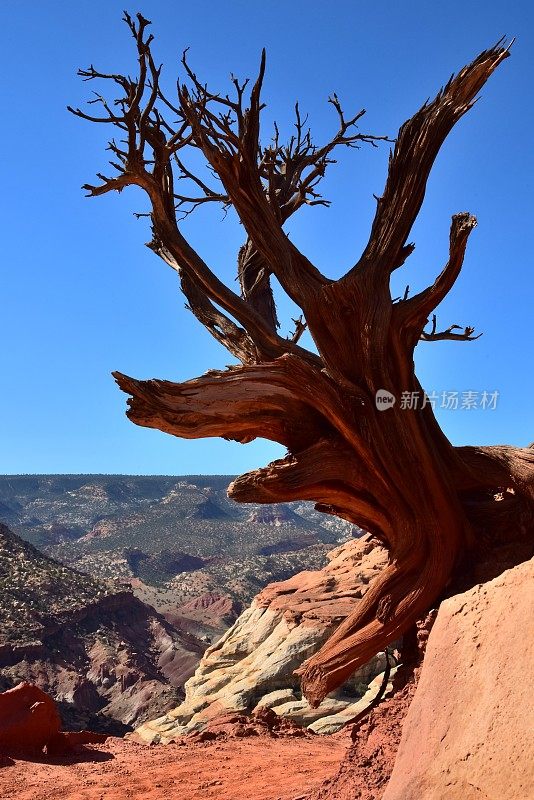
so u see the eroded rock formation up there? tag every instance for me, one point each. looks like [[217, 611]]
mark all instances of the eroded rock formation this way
[[253, 665]]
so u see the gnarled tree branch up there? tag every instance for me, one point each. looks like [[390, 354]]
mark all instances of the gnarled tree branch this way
[[240, 403], [326, 473], [496, 467]]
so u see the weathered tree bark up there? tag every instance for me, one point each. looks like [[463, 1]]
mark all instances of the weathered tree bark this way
[[393, 472]]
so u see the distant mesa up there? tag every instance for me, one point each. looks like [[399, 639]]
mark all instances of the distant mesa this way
[[114, 491], [187, 485], [207, 509], [289, 545], [164, 563], [178, 491], [90, 491], [274, 515]]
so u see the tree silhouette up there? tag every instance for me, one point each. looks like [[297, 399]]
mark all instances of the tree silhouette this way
[[392, 472]]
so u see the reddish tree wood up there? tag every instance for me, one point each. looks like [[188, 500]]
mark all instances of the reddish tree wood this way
[[392, 472]]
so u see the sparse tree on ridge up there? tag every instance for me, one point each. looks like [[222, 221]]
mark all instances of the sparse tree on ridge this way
[[393, 472]]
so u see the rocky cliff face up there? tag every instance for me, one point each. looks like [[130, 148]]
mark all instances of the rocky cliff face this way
[[253, 664], [103, 655], [468, 732]]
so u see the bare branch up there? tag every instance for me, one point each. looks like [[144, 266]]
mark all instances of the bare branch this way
[[297, 168], [234, 158], [254, 277], [418, 143], [178, 254], [497, 467], [448, 334], [108, 184], [300, 326], [267, 185], [411, 315], [145, 126]]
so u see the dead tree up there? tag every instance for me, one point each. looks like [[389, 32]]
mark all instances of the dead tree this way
[[393, 472]]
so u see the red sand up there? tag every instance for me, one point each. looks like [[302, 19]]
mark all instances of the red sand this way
[[255, 768]]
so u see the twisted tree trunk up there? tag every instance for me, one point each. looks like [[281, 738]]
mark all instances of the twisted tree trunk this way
[[391, 471]]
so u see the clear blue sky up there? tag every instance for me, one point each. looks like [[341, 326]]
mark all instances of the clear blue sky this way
[[81, 296]]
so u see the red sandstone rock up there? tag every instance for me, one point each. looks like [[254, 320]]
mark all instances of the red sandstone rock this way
[[210, 608], [365, 770], [316, 597], [28, 718], [29, 721], [468, 733]]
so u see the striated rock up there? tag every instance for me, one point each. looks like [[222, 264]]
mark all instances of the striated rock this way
[[277, 698], [30, 722], [257, 657], [300, 712], [213, 609], [468, 732]]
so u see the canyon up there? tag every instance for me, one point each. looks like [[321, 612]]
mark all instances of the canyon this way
[[105, 657], [208, 680], [172, 539]]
